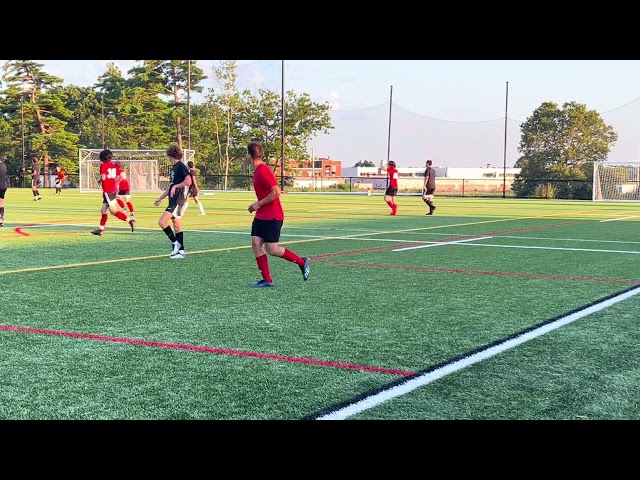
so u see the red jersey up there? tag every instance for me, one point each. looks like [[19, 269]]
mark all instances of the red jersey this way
[[60, 175], [263, 180], [393, 177], [123, 183], [109, 171]]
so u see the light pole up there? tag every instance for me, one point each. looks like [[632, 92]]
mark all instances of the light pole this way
[[22, 133]]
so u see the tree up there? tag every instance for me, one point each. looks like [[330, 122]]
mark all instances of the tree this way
[[45, 114], [172, 78], [559, 147], [364, 163]]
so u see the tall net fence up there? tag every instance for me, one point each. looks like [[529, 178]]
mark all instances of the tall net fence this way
[[390, 128]]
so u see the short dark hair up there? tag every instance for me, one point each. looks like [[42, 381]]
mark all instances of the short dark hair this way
[[429, 162], [255, 150], [175, 152], [190, 164], [106, 155], [392, 164]]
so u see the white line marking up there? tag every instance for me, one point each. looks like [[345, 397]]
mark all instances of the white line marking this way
[[618, 219], [477, 357], [437, 244], [551, 248]]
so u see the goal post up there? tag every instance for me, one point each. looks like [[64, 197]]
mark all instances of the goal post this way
[[147, 170], [616, 181]]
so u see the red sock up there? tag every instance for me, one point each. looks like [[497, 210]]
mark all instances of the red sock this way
[[120, 202], [263, 265], [292, 257], [121, 216], [130, 207], [103, 220], [390, 204]]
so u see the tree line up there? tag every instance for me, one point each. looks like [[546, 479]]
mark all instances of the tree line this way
[[41, 118]]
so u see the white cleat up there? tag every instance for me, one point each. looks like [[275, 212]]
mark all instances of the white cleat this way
[[178, 255], [176, 248]]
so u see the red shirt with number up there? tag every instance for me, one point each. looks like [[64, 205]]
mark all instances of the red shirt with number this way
[[110, 172], [263, 180]]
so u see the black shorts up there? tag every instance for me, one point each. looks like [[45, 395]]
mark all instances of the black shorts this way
[[58, 183], [108, 198], [122, 193], [267, 230], [429, 191], [194, 192], [177, 206], [2, 192], [391, 192]]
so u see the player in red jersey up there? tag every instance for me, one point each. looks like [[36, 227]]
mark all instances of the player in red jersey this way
[[194, 190], [108, 175], [268, 220], [124, 190], [60, 176], [392, 189]]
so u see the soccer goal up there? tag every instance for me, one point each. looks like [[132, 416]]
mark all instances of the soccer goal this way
[[616, 181], [147, 170]]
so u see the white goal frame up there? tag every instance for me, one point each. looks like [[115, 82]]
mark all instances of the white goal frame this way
[[616, 181], [147, 170]]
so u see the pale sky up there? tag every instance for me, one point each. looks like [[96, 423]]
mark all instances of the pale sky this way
[[452, 111]]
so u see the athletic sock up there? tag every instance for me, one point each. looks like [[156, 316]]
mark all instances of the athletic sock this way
[[293, 258], [103, 221], [201, 208], [130, 207], [263, 266], [169, 233], [180, 239], [122, 216], [390, 204], [120, 203]]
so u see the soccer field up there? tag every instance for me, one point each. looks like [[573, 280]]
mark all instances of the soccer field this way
[[490, 309]]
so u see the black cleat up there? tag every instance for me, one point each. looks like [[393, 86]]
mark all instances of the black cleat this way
[[306, 268], [132, 224], [97, 232]]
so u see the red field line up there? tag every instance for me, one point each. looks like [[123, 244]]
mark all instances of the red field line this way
[[197, 348]]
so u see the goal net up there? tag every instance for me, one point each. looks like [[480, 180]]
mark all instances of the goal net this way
[[618, 181], [147, 170]]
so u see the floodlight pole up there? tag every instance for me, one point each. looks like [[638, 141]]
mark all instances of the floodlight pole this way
[[102, 103], [22, 132], [189, 103], [389, 137], [504, 169], [282, 133]]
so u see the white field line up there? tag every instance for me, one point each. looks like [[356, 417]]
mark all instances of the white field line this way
[[547, 248], [437, 244], [427, 378], [618, 219]]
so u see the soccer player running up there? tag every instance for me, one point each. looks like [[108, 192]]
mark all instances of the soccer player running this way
[[35, 179], [392, 189], [268, 220], [60, 175], [123, 197], [108, 175], [429, 187], [179, 184], [194, 190], [4, 185]]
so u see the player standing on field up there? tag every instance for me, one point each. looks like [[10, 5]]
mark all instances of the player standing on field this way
[[59, 180], [429, 187], [179, 184], [124, 190], [35, 179], [4, 185], [392, 189], [108, 175], [268, 220]]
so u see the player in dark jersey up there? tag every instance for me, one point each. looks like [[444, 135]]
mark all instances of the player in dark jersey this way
[[179, 184], [60, 176], [4, 185], [108, 175], [194, 190], [268, 220], [35, 179], [124, 190], [429, 187], [392, 189]]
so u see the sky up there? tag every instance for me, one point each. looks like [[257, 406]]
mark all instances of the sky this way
[[459, 113]]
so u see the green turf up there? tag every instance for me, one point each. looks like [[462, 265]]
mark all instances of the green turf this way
[[110, 328]]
